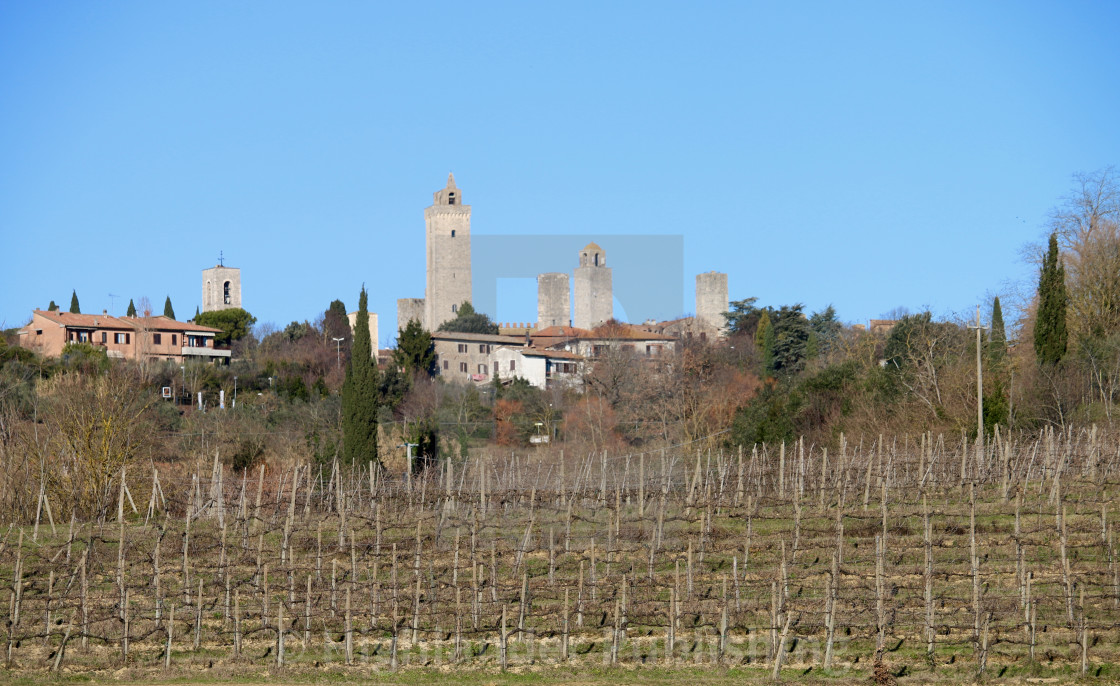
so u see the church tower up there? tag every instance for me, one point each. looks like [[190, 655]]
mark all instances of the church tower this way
[[448, 224], [221, 288], [594, 301]]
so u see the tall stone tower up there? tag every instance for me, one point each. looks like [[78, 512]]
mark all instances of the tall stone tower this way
[[221, 288], [594, 302], [554, 306], [448, 223], [711, 298]]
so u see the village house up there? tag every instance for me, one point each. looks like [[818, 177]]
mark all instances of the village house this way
[[466, 356], [132, 338]]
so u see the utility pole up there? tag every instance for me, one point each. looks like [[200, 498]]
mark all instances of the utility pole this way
[[338, 350], [979, 386]]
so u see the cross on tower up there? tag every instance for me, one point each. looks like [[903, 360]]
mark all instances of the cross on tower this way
[[221, 259]]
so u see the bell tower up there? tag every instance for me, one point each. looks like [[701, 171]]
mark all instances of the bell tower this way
[[448, 239]]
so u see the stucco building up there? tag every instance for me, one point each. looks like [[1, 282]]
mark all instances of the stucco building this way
[[134, 338]]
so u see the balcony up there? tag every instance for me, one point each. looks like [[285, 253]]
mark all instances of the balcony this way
[[196, 351]]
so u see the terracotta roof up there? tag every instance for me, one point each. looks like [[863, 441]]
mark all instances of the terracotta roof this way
[[162, 323], [85, 321], [620, 331], [561, 332], [104, 321], [479, 337], [551, 354]]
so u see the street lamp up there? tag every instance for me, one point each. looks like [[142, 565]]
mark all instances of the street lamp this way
[[338, 350]]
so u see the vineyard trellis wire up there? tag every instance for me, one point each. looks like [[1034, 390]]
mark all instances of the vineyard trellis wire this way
[[942, 554]]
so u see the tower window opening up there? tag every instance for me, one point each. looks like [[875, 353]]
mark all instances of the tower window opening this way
[[596, 259], [225, 297], [455, 308], [450, 198], [452, 233]]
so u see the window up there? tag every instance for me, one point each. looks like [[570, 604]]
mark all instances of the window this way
[[445, 365], [157, 339], [703, 336], [628, 348], [452, 230], [120, 338], [104, 337], [174, 340], [482, 369], [451, 201], [463, 367], [462, 347], [483, 348], [226, 296], [455, 308], [596, 259], [513, 365], [83, 336]]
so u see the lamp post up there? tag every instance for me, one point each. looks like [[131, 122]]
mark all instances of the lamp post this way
[[338, 350], [235, 392]]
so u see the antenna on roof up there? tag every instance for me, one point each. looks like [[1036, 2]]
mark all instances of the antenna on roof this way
[[113, 302]]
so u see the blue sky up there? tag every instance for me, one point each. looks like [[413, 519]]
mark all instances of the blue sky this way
[[867, 155]]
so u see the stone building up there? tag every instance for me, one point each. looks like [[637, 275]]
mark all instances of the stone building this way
[[353, 318], [554, 306], [594, 301], [466, 356], [711, 299], [409, 309], [221, 288], [447, 237]]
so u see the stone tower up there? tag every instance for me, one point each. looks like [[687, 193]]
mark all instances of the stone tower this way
[[711, 298], [221, 288], [594, 302], [554, 306], [448, 224]]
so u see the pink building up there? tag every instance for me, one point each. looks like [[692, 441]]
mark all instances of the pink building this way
[[134, 338]]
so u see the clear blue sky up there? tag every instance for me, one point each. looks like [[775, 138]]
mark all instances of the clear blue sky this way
[[868, 155]]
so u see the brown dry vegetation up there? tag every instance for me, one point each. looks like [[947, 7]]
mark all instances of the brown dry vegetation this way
[[785, 561]]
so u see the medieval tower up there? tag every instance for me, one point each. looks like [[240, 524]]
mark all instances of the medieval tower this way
[[221, 288], [711, 298], [448, 224], [554, 306], [594, 302]]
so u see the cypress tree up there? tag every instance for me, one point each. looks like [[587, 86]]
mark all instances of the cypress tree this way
[[53, 307], [415, 350], [1050, 335], [74, 308], [196, 313], [168, 311], [764, 339], [131, 312], [359, 393], [997, 349]]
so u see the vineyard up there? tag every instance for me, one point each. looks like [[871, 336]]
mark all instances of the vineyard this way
[[913, 557]]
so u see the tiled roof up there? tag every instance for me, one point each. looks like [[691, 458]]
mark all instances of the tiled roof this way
[[162, 323], [85, 321], [477, 337], [104, 321]]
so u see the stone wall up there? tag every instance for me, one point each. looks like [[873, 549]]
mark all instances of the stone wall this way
[[214, 282], [554, 307], [409, 309], [711, 298]]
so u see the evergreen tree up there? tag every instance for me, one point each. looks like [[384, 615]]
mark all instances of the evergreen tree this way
[[74, 308], [469, 321], [168, 311], [359, 393], [131, 312], [196, 314], [997, 407], [997, 348], [234, 322], [336, 324], [53, 307], [1050, 335], [764, 339], [415, 350]]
